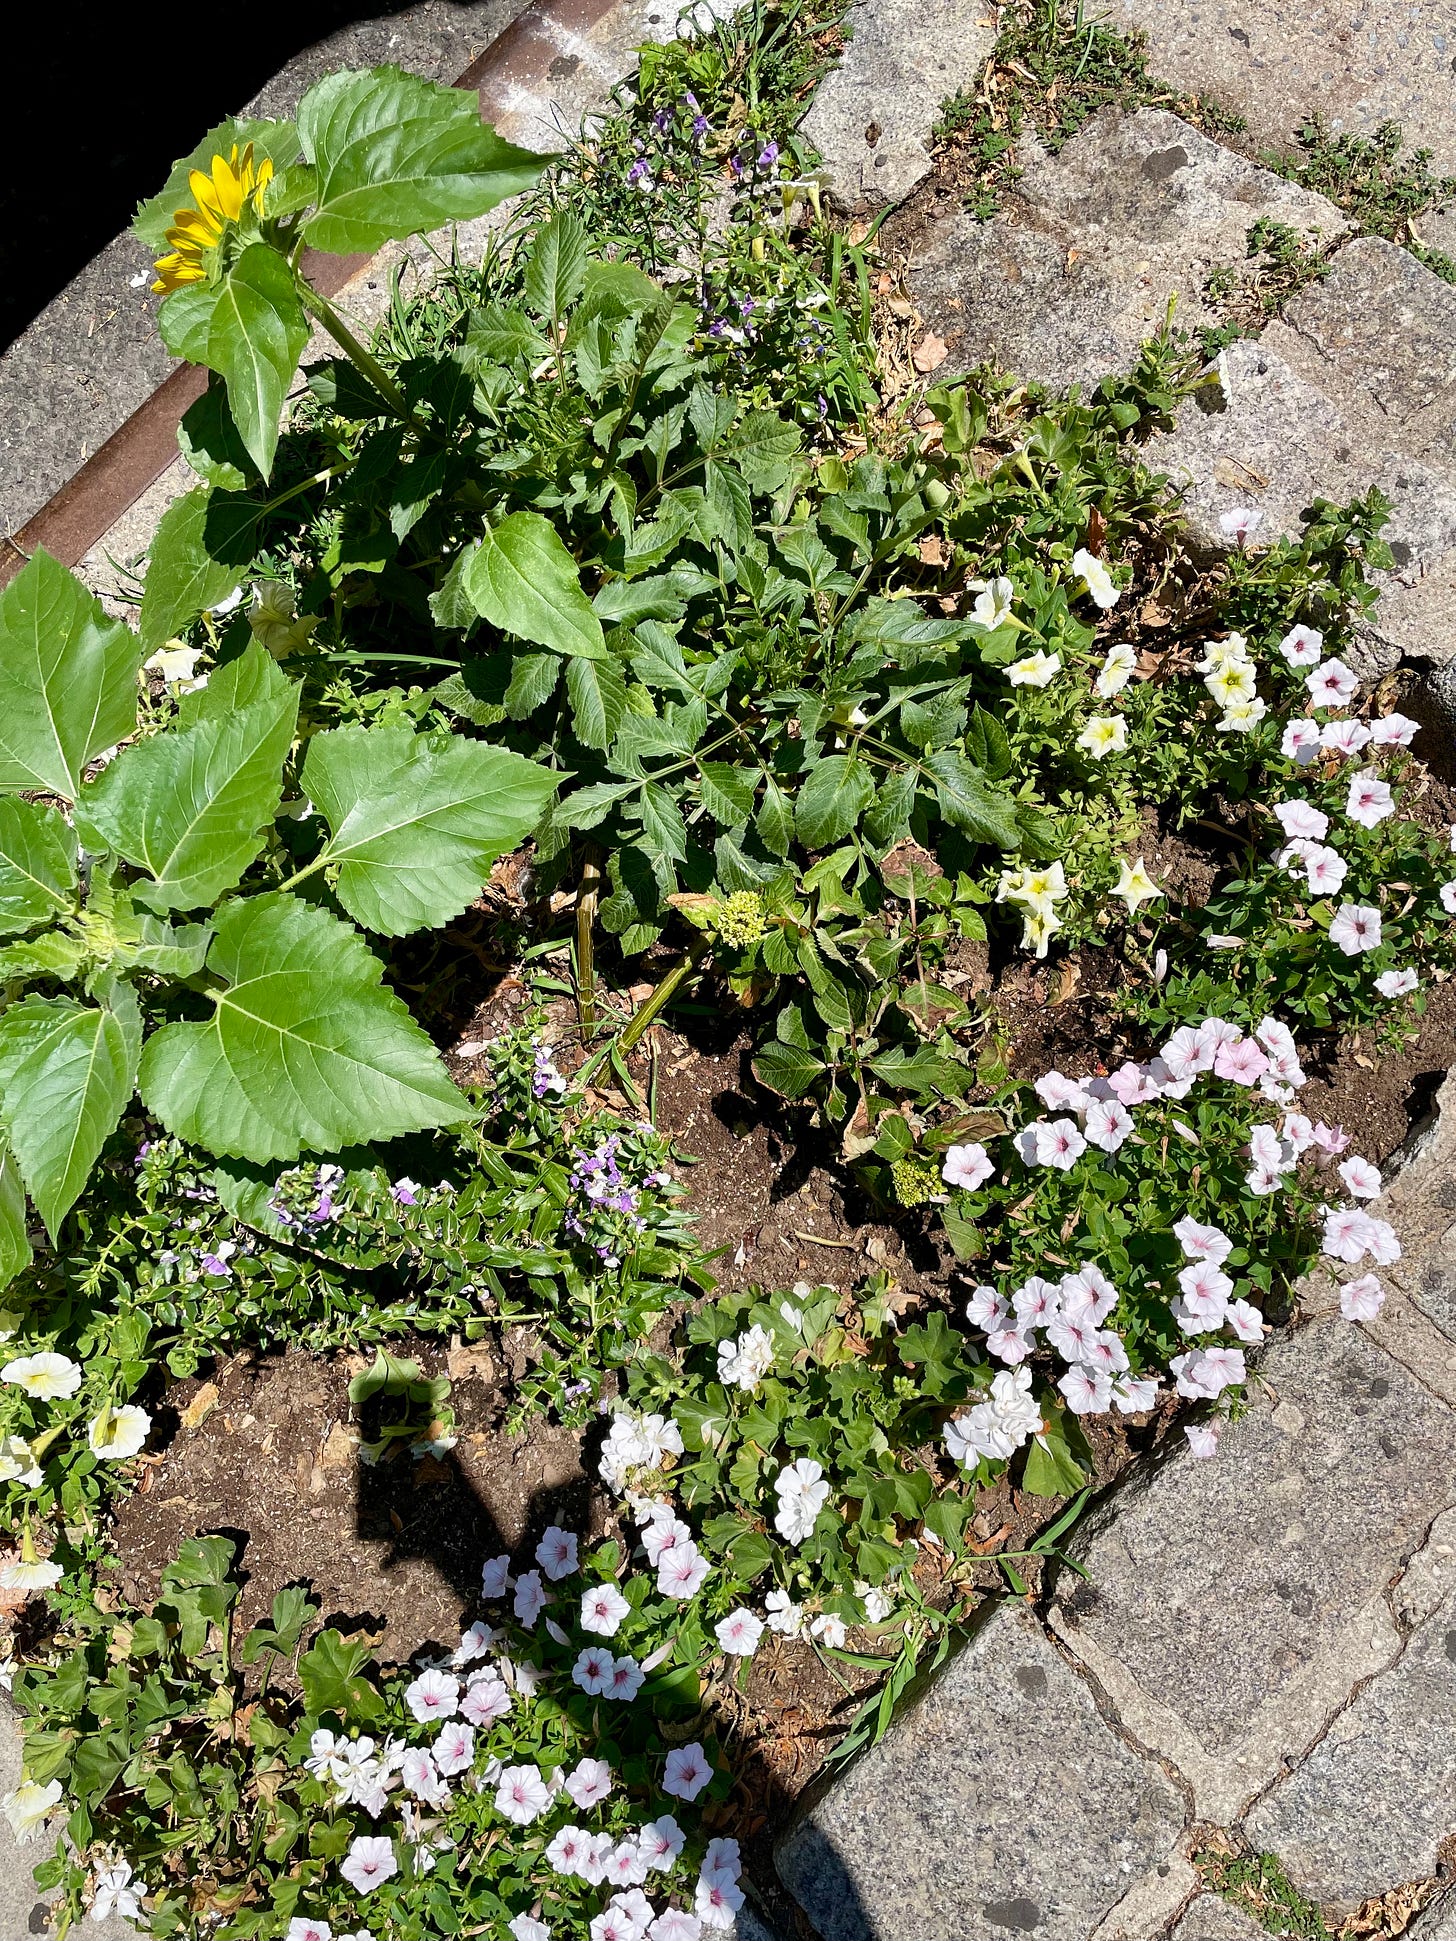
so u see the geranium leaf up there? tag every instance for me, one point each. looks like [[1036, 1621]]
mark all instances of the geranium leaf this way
[[417, 820], [305, 1049], [37, 864], [396, 154], [66, 1072], [254, 341], [522, 579], [67, 679], [191, 805]]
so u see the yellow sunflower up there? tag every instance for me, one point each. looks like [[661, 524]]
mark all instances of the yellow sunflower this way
[[221, 197]]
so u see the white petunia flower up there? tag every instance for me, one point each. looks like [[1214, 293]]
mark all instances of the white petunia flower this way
[[1097, 582]]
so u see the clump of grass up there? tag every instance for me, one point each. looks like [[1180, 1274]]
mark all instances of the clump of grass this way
[[1381, 189], [1053, 69]]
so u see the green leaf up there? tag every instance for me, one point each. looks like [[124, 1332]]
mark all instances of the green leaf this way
[[305, 1048], [274, 141], [417, 820], [522, 579], [835, 794], [254, 342], [786, 1069], [398, 156], [15, 1254], [727, 792], [967, 800], [66, 1073], [191, 805], [501, 335], [330, 1673], [208, 439], [252, 677], [1051, 1467], [67, 679], [183, 577], [598, 692], [764, 446], [37, 865], [556, 267]]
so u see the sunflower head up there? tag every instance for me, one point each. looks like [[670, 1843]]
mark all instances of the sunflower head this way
[[234, 185]]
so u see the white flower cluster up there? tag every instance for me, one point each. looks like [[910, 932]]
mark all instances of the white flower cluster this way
[[636, 1446]]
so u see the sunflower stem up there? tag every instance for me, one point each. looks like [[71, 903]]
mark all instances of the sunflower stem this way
[[363, 361]]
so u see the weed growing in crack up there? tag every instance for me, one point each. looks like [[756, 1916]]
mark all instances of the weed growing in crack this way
[[1384, 191]]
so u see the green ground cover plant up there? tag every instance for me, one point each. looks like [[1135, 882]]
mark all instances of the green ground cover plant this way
[[826, 706]]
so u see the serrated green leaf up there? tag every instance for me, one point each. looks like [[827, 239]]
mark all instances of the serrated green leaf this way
[[521, 578], [66, 1073], [274, 141], [52, 954], [183, 577], [67, 679], [499, 334], [835, 794], [417, 820], [764, 447], [727, 792], [598, 691], [775, 819], [37, 865], [305, 1048], [172, 950], [398, 156], [15, 1251], [968, 800], [253, 676], [556, 266], [254, 341], [786, 1069], [191, 805]]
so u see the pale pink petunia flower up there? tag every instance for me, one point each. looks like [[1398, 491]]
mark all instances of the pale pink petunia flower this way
[[531, 1598], [589, 1782], [1344, 737], [1201, 1242], [486, 1699], [1205, 1287], [1331, 685], [593, 1671], [1240, 523], [663, 1533], [661, 1842], [1059, 1094], [1381, 1242], [455, 1748], [1298, 818], [525, 1928], [1072, 1339], [967, 1166], [1088, 1295], [1331, 1140], [722, 1861], [556, 1553], [625, 1679], [1088, 1391], [1397, 983], [1202, 1439], [1243, 1062], [1036, 1302], [1204, 1373], [614, 1924], [1059, 1143], [1355, 928], [568, 1850], [1133, 1084], [1325, 870], [1132, 1395], [1107, 1355], [495, 1576], [1360, 1177], [1448, 898], [625, 1867], [715, 1902], [675, 1925], [1369, 800], [1362, 1300], [1301, 742], [1246, 1321], [1267, 1149], [1187, 1055], [369, 1863], [739, 1633], [521, 1794], [602, 1609], [1108, 1124], [1346, 1234], [1393, 731], [1009, 1345], [433, 1695], [687, 1772], [1302, 646], [1262, 1181], [681, 1571], [987, 1309]]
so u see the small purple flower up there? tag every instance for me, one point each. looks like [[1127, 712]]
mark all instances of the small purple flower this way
[[639, 174], [736, 164], [212, 1264], [768, 155], [323, 1211], [405, 1192], [701, 125], [662, 121]]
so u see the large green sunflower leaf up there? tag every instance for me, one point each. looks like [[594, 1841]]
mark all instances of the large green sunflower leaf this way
[[305, 1049], [66, 1072], [37, 865]]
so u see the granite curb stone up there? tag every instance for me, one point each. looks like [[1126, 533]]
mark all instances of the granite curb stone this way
[[872, 116], [982, 1814], [1213, 1919]]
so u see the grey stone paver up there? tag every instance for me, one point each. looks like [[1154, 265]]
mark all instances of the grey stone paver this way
[[1076, 274], [1378, 335], [93, 356], [1213, 1919], [1003, 1803], [871, 118], [1356, 62], [1277, 442], [1438, 1923], [1373, 1803], [1233, 1604]]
